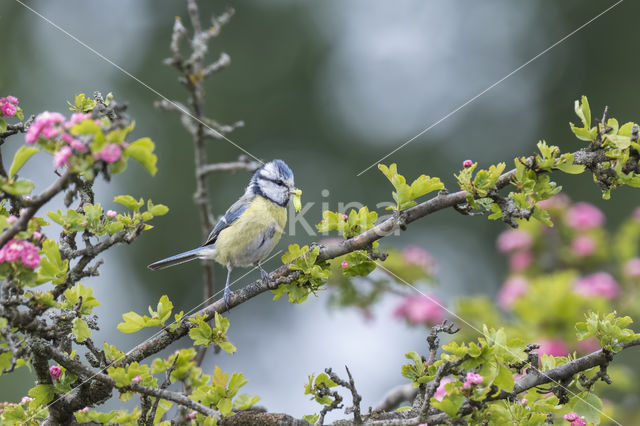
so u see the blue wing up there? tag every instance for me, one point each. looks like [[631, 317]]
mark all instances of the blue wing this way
[[234, 212]]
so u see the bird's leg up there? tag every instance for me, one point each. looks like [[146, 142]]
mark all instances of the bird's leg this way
[[263, 274], [227, 292]]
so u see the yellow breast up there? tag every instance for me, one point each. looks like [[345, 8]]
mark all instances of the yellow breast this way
[[253, 235]]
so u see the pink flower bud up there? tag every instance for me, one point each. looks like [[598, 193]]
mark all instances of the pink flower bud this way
[[632, 268], [472, 379], [84, 410], [442, 391], [583, 246], [192, 415], [37, 235], [553, 347], [467, 163], [8, 109], [345, 217], [27, 198], [55, 372], [12, 219], [136, 379], [344, 264], [420, 309], [584, 216], [62, 156], [524, 401], [111, 214], [514, 239], [512, 290], [600, 284], [111, 153], [26, 399]]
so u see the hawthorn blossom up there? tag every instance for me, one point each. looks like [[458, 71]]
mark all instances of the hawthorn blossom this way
[[111, 153], [74, 143], [600, 284], [575, 419], [472, 379], [136, 379], [632, 268], [584, 216], [37, 235], [62, 156], [419, 309], [8, 109], [583, 246], [553, 347], [513, 240], [76, 118], [520, 260], [589, 345], [55, 372], [24, 251], [513, 289], [192, 415], [112, 215], [441, 391], [26, 399], [420, 257], [467, 163], [344, 264], [44, 125], [12, 219], [558, 201]]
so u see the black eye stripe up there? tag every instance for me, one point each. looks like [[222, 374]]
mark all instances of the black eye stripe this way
[[276, 181]]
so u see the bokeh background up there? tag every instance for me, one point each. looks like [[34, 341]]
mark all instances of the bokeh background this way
[[330, 87]]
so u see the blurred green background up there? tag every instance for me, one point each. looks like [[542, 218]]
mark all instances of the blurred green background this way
[[330, 87]]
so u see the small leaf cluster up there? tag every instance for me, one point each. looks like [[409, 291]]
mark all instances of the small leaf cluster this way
[[350, 225], [609, 329], [318, 387], [203, 334], [619, 143], [313, 273], [405, 194], [133, 321]]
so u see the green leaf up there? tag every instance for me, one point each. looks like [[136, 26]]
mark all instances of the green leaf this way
[[244, 401], [164, 309], [142, 151], [589, 405], [159, 210], [3, 125], [43, 394], [20, 158], [132, 322], [18, 187], [80, 329], [129, 202]]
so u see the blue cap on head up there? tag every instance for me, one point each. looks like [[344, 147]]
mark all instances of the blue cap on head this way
[[284, 170]]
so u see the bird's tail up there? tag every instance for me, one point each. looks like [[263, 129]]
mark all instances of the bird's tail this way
[[179, 258]]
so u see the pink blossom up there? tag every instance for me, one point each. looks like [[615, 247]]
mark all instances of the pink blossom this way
[[76, 118], [55, 372], [112, 215], [588, 345], [419, 309], [512, 290], [524, 401], [520, 260], [632, 268], [514, 239], [12, 250], [74, 143], [111, 153], [62, 156], [420, 257], [441, 391], [84, 410], [583, 246], [136, 379], [600, 284], [8, 109], [37, 235], [344, 264], [467, 163], [30, 259], [559, 201], [471, 379], [575, 419], [12, 219], [584, 216], [345, 217], [193, 414], [11, 99], [44, 125], [553, 347], [26, 399]]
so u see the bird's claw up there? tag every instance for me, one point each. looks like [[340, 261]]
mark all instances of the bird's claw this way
[[227, 298]]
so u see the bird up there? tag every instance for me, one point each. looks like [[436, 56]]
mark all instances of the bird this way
[[250, 228]]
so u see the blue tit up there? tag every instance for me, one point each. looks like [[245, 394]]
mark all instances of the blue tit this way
[[250, 229]]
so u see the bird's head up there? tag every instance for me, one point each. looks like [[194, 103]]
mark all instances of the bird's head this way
[[274, 181]]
